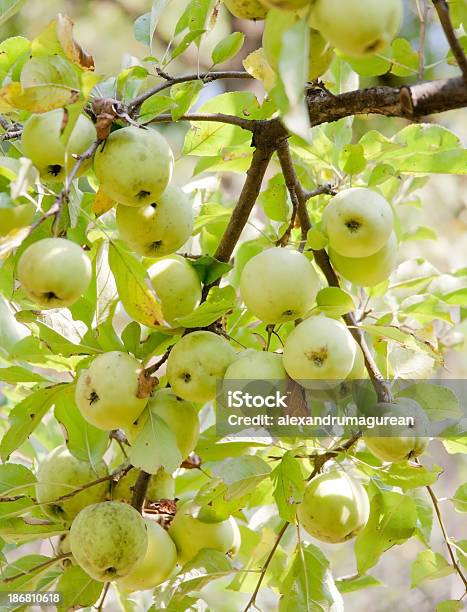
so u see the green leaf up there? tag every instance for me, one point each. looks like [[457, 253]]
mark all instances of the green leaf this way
[[49, 70], [131, 280], [31, 566], [209, 269], [184, 96], [410, 341], [409, 476], [352, 159], [208, 565], [15, 374], [26, 416], [315, 240], [243, 474], [154, 106], [214, 505], [275, 201], [84, 441], [16, 479], [460, 498], [392, 521], [228, 47], [437, 401], [289, 486], [157, 9], [357, 583], [131, 338], [155, 446], [210, 138], [20, 531], [309, 584], [450, 605], [421, 233], [141, 29], [335, 301], [78, 589], [458, 297], [189, 38], [370, 65], [14, 51], [429, 565], [205, 314], [405, 58], [8, 8]]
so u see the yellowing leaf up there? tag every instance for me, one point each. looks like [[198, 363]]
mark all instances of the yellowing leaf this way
[[130, 277], [36, 99], [257, 65], [102, 203]]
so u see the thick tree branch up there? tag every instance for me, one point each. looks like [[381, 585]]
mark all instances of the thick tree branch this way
[[409, 102], [246, 201], [140, 490], [442, 9], [206, 77], [322, 260]]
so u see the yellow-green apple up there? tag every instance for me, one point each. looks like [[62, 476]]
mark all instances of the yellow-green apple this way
[[358, 222], [54, 272], [191, 534], [159, 228], [335, 507], [157, 564], [60, 473], [108, 539], [367, 271], [357, 27], [286, 5], [279, 285], [319, 349], [14, 215], [396, 444], [196, 362], [107, 393], [246, 9], [177, 286], [134, 166], [41, 141], [252, 364]]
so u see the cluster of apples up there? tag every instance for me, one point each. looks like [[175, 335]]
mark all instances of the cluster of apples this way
[[356, 27], [108, 538], [134, 168]]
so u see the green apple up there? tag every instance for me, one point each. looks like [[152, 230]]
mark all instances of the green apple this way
[[191, 534], [157, 564], [252, 364], [159, 228], [177, 286], [367, 271], [246, 9], [399, 444], [357, 27], [358, 222], [41, 142], [107, 392], [279, 285], [180, 416], [161, 486], [108, 540], [134, 166], [54, 272], [196, 363], [335, 507], [286, 5], [14, 215], [320, 52], [319, 349], [61, 473]]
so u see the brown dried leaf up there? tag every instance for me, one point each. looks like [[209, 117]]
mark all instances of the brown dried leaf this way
[[71, 48], [146, 384], [102, 203]]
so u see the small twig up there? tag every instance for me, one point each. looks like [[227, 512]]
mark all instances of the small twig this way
[[92, 483], [246, 124], [320, 459], [119, 436], [100, 605], [322, 190], [140, 490], [264, 569], [36, 568], [423, 14], [153, 369], [206, 77], [442, 9], [455, 564], [11, 135], [5, 123]]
